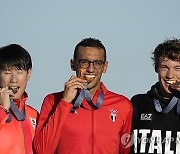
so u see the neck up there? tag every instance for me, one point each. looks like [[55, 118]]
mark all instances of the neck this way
[[19, 100], [93, 90]]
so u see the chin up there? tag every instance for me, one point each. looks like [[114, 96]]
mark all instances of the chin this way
[[166, 91], [164, 87], [16, 97], [92, 85]]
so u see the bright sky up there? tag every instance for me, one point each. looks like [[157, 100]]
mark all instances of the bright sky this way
[[49, 30]]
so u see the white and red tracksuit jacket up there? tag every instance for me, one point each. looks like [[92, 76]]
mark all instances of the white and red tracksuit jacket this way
[[16, 136], [85, 131]]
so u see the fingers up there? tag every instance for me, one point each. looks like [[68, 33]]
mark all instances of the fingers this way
[[71, 87], [5, 94], [6, 91], [75, 82], [176, 86]]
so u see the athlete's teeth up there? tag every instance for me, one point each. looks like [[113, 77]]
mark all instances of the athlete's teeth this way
[[89, 76], [14, 90], [171, 82]]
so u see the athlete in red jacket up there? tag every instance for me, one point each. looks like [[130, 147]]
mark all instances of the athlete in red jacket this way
[[84, 118], [17, 120]]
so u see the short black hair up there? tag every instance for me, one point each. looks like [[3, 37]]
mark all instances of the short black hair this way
[[89, 42], [15, 56], [170, 48]]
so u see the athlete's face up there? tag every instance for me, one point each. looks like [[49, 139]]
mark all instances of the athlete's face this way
[[15, 80], [91, 54], [168, 73]]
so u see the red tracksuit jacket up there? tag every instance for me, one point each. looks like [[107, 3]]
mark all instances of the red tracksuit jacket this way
[[87, 131], [16, 136]]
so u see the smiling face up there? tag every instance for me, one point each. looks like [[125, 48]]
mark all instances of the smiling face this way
[[90, 73], [16, 80], [168, 73]]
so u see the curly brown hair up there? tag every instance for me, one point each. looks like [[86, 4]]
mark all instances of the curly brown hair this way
[[170, 49]]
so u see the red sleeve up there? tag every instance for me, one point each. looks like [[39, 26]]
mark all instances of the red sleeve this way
[[48, 131], [3, 117], [125, 134]]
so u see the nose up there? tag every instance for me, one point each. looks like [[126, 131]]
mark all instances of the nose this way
[[91, 67], [13, 78], [170, 74]]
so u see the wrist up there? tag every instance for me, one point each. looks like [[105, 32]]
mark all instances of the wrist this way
[[6, 111], [66, 100]]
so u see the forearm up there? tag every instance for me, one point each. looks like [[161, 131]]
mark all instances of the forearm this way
[[49, 128]]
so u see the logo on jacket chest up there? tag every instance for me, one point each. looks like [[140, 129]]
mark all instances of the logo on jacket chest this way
[[113, 114], [146, 116]]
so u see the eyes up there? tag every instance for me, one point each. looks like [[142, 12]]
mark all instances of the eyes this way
[[9, 72], [165, 67], [98, 64]]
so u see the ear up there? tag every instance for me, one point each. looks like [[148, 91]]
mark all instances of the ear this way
[[156, 68], [105, 67], [29, 74], [73, 66]]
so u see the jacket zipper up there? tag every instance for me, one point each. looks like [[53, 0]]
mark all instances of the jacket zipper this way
[[24, 138], [92, 135]]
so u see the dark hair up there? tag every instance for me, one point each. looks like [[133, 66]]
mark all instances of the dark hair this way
[[169, 48], [89, 42], [14, 56]]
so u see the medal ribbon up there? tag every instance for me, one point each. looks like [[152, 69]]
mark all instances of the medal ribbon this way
[[86, 94], [172, 103], [20, 116]]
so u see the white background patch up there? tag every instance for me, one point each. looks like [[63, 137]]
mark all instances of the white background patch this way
[[33, 122]]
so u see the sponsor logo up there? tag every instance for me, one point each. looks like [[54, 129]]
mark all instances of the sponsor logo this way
[[146, 116]]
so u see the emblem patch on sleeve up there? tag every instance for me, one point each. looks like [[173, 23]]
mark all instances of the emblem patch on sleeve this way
[[33, 122], [113, 114]]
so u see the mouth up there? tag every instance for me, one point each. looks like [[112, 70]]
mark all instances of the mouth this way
[[89, 77], [14, 89], [170, 82]]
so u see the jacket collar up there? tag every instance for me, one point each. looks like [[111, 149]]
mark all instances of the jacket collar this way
[[155, 92], [20, 103]]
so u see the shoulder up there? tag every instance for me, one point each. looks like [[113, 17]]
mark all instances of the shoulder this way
[[138, 97], [116, 95], [139, 100], [113, 95], [30, 111], [119, 98], [52, 99], [30, 108], [54, 96]]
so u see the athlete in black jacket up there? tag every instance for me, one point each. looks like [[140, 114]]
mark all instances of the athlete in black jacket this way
[[156, 117]]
